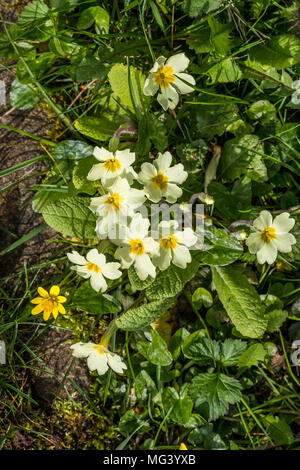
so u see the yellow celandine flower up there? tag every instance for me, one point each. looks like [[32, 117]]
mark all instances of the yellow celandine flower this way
[[183, 446], [49, 303]]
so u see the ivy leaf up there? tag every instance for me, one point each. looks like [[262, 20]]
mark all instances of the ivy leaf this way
[[91, 301], [180, 404], [156, 350], [252, 356], [218, 390], [218, 248], [71, 216], [96, 15], [23, 96], [240, 300]]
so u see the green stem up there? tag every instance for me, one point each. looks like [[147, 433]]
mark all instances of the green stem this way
[[287, 361], [28, 134]]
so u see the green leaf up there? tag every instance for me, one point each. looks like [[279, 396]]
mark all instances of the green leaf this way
[[135, 282], [33, 13], [68, 153], [90, 68], [192, 155], [177, 341], [23, 96], [80, 172], [279, 430], [240, 300], [205, 437], [202, 297], [96, 15], [280, 52], [211, 119], [144, 385], [196, 8], [252, 356], [275, 319], [171, 282], [91, 301], [142, 316], [98, 128], [231, 350], [156, 350], [131, 421], [242, 155], [180, 403], [234, 204], [218, 248], [151, 131], [201, 349], [71, 216], [118, 78], [263, 111], [224, 72], [218, 390]]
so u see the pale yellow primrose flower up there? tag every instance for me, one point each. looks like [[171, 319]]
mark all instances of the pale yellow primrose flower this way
[[166, 77], [174, 245], [112, 166], [160, 179], [271, 236], [136, 248], [49, 303], [95, 268], [120, 202], [99, 358]]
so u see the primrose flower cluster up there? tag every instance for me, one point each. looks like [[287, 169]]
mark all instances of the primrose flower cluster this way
[[118, 209], [119, 220]]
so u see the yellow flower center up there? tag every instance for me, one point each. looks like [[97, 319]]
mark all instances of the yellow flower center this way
[[169, 242], [164, 76], [93, 267], [137, 246], [49, 304], [160, 181], [268, 234], [99, 348], [112, 164], [115, 201]]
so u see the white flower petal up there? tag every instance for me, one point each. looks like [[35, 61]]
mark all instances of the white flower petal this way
[[264, 220], [93, 256], [111, 270], [181, 86], [116, 363], [124, 255], [176, 174], [179, 62], [254, 242], [151, 246], [283, 223], [284, 241], [96, 172], [181, 256], [102, 154], [144, 267], [267, 254], [98, 282], [164, 259], [125, 157], [168, 98], [187, 237], [82, 349], [148, 171], [172, 192], [163, 162], [76, 258], [153, 193], [150, 87], [97, 361]]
